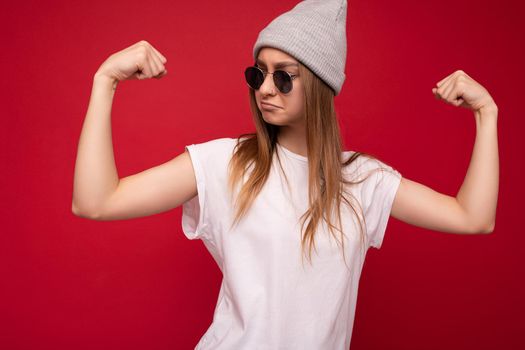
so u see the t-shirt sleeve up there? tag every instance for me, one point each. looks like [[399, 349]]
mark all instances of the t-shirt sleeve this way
[[209, 162], [378, 193]]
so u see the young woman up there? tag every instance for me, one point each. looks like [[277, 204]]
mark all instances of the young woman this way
[[263, 202]]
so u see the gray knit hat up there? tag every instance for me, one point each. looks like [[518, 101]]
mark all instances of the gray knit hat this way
[[314, 33]]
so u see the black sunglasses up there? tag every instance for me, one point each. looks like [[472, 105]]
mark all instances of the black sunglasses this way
[[282, 79]]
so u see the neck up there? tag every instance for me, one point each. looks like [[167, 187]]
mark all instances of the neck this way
[[294, 139]]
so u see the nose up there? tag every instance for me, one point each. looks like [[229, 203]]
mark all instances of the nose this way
[[268, 86]]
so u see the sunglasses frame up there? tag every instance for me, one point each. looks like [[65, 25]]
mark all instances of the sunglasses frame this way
[[264, 73]]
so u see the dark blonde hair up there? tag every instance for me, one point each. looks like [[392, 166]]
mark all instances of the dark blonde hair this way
[[326, 184]]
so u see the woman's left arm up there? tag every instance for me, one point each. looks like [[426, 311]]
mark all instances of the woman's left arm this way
[[473, 210]]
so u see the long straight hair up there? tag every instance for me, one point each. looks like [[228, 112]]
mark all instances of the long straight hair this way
[[326, 184]]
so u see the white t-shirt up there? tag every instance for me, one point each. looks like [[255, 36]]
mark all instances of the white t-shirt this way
[[269, 299]]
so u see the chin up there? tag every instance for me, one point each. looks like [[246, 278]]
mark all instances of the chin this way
[[273, 120]]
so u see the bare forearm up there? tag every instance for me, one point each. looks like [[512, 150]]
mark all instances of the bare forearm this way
[[478, 194], [95, 176]]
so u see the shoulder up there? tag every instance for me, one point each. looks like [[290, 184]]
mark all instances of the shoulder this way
[[361, 165], [212, 152], [219, 142], [214, 146], [359, 162]]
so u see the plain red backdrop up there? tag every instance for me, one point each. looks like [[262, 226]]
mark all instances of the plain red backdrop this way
[[72, 283]]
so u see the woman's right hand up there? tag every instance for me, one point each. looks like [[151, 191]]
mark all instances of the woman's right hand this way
[[138, 61]]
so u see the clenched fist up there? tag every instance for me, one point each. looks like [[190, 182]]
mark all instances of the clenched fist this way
[[139, 61], [459, 89]]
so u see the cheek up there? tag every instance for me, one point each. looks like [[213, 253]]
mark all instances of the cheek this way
[[296, 105], [258, 99]]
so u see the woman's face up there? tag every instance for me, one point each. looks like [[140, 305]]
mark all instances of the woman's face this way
[[290, 106]]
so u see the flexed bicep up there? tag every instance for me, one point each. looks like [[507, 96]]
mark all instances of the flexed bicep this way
[[152, 191], [421, 206]]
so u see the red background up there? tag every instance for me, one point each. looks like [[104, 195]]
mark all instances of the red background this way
[[72, 283]]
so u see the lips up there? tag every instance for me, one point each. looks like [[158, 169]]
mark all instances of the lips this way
[[269, 104]]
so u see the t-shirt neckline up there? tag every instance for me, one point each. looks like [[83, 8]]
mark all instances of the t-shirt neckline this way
[[292, 154]]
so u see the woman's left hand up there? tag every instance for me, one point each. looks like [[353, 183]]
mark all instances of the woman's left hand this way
[[459, 89]]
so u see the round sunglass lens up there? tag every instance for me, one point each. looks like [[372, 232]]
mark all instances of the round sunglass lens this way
[[282, 81], [254, 77]]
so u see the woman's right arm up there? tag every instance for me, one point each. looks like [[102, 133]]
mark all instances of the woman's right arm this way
[[98, 193]]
